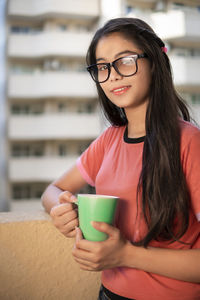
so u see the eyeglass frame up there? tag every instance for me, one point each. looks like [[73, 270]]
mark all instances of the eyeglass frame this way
[[112, 64]]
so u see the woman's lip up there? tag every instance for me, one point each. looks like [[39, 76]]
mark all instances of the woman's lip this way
[[120, 90]]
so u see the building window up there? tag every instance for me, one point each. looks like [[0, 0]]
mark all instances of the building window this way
[[89, 108], [62, 27], [52, 65], [20, 150], [62, 107], [195, 98], [21, 192], [37, 190], [85, 108], [36, 150], [24, 150], [129, 9], [82, 147], [178, 5], [62, 150], [25, 29], [20, 29], [24, 69], [17, 109], [26, 109]]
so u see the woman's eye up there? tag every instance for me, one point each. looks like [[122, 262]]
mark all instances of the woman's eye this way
[[102, 68]]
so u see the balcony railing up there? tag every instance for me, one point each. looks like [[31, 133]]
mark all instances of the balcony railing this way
[[41, 169], [141, 3], [73, 44], [51, 84], [54, 126], [64, 8], [186, 72], [187, 2], [180, 27]]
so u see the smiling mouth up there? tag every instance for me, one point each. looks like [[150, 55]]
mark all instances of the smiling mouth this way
[[120, 90]]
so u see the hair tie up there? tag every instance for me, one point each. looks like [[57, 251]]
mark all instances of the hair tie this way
[[164, 49]]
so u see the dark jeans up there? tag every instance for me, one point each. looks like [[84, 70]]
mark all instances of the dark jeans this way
[[105, 294], [102, 295]]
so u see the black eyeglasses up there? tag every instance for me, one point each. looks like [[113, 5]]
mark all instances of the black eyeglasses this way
[[125, 66]]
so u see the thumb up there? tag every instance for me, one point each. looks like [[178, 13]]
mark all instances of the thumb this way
[[66, 197], [105, 227]]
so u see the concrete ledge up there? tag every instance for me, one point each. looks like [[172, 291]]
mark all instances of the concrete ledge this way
[[36, 261], [10, 217]]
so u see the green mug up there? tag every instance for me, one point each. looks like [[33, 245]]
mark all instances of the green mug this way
[[92, 207]]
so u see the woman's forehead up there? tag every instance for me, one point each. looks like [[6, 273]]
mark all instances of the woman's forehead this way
[[114, 43]]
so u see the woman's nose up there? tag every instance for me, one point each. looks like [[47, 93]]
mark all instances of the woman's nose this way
[[114, 75]]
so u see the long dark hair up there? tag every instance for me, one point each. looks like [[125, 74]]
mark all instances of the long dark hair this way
[[162, 184]]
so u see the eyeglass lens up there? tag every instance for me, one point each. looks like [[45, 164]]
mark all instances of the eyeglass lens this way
[[125, 66]]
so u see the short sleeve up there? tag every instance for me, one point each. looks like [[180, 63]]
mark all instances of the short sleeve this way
[[91, 159], [191, 168]]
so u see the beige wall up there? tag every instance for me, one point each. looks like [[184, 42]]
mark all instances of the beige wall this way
[[36, 262]]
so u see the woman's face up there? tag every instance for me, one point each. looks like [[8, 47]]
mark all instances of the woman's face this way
[[124, 92]]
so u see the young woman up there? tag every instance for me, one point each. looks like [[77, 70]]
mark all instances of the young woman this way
[[149, 157]]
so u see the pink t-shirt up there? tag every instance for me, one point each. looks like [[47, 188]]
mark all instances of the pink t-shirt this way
[[112, 164]]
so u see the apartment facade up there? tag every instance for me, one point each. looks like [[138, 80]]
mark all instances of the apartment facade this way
[[53, 114], [52, 102], [177, 23]]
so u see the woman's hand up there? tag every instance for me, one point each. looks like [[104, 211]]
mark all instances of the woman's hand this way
[[65, 216], [97, 256]]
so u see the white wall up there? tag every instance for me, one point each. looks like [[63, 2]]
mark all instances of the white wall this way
[[54, 126], [186, 71], [49, 43], [177, 24], [87, 8], [39, 169], [51, 84]]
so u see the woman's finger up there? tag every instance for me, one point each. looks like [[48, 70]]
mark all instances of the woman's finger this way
[[61, 209], [66, 197], [71, 226]]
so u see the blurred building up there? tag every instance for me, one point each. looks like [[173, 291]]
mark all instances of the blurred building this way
[[53, 111], [177, 23], [4, 198]]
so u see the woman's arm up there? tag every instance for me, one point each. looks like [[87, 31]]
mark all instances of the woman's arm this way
[[116, 252], [58, 201], [178, 264]]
